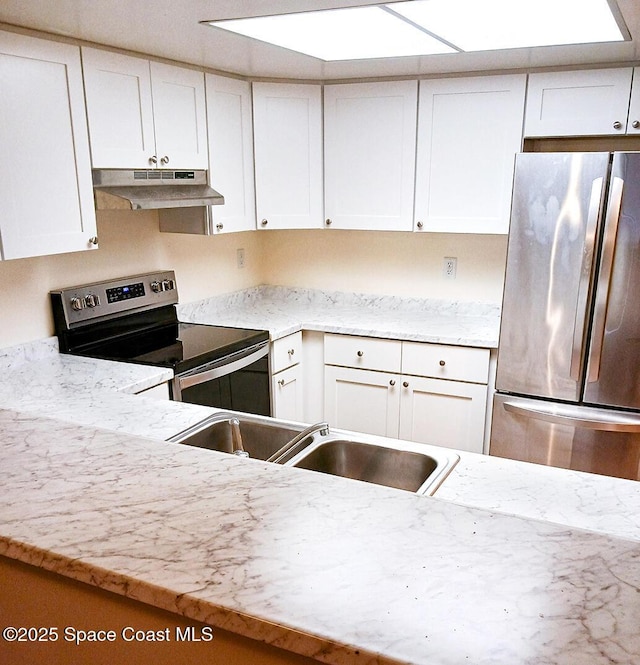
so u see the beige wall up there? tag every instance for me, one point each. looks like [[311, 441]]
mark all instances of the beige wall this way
[[130, 243], [387, 263], [403, 264]]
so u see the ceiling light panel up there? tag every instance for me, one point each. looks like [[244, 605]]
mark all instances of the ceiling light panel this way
[[479, 25], [340, 34]]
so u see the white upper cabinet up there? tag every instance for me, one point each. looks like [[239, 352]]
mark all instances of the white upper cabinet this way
[[287, 125], [469, 131], [633, 119], [579, 103], [144, 114], [45, 188], [231, 152], [370, 145]]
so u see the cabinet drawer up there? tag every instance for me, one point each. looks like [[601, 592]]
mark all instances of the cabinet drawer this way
[[457, 363], [286, 352], [363, 352]]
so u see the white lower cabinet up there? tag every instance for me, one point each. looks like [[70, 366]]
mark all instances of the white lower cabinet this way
[[362, 400], [287, 396], [443, 413], [435, 394]]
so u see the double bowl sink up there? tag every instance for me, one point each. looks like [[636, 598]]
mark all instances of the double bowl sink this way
[[403, 465]]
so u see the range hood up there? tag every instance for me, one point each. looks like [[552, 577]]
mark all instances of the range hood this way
[[127, 189]]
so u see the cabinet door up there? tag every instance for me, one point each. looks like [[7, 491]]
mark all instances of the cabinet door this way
[[286, 352], [469, 131], [119, 109], [45, 189], [362, 400], [370, 144], [633, 124], [579, 103], [287, 394], [231, 152], [443, 413], [180, 117], [287, 121]]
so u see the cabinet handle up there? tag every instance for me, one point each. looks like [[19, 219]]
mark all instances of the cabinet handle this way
[[392, 383], [93, 240], [153, 159], [164, 160], [617, 125], [635, 124], [291, 352], [419, 225], [281, 382], [264, 222], [360, 354], [442, 363], [405, 384], [328, 222], [219, 226]]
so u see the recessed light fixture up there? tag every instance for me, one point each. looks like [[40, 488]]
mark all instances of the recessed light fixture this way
[[428, 27]]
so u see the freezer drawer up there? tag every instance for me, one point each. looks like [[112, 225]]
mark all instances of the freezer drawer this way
[[567, 436]]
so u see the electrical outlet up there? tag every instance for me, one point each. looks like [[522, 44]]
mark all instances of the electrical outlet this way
[[240, 258], [449, 267]]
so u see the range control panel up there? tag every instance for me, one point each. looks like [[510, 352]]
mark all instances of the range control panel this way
[[84, 304]]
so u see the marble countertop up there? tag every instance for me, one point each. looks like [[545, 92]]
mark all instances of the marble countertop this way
[[285, 310], [322, 566], [508, 563]]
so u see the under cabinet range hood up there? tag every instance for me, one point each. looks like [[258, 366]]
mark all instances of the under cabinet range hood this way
[[133, 189]]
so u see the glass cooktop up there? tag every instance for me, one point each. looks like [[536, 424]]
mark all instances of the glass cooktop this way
[[181, 346]]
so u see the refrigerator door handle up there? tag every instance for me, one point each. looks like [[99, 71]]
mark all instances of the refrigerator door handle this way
[[604, 278], [585, 417], [578, 346]]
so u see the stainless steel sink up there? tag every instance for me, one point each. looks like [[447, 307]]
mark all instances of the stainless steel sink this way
[[403, 465], [261, 437]]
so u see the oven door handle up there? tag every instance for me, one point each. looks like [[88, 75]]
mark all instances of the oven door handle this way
[[237, 362]]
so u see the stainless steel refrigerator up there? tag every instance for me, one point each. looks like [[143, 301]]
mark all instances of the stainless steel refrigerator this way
[[568, 374]]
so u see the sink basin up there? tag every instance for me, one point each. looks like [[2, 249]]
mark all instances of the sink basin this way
[[404, 467], [261, 437]]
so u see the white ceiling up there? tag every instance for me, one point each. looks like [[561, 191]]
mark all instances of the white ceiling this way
[[171, 29]]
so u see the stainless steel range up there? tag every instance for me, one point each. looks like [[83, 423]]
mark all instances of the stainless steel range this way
[[134, 319]]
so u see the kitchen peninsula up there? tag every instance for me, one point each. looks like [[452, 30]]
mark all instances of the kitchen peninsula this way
[[326, 568]]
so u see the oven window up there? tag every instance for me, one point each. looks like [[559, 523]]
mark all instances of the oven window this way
[[244, 390]]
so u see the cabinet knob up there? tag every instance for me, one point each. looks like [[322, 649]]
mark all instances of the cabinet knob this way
[[442, 363], [281, 382], [360, 354], [327, 222], [291, 352], [419, 225], [153, 159], [635, 124], [93, 240], [164, 160], [405, 384], [392, 383], [219, 226], [264, 222], [617, 125]]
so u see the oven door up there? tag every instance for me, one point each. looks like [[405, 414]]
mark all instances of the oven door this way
[[239, 382]]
